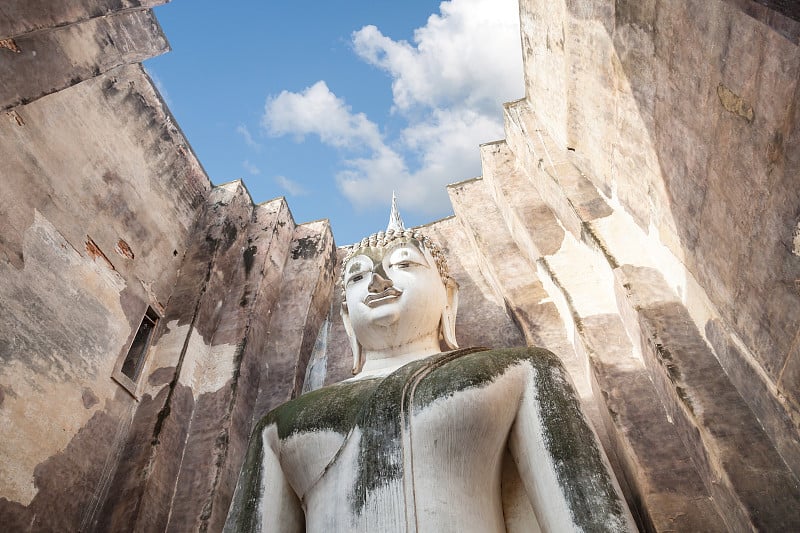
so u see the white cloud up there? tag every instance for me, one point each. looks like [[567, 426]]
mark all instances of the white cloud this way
[[448, 86], [291, 187], [467, 56], [317, 110], [447, 145], [242, 130], [251, 168]]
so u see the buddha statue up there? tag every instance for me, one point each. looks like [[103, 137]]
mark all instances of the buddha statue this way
[[462, 440]]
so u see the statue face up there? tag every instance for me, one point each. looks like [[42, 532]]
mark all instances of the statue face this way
[[394, 294]]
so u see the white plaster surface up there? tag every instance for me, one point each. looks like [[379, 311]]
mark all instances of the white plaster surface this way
[[279, 508], [164, 353], [205, 368], [306, 455], [462, 438], [51, 405], [326, 502], [585, 275]]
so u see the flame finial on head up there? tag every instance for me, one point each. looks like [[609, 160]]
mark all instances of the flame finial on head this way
[[395, 222]]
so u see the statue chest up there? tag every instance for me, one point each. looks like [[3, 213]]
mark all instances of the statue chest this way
[[409, 450]]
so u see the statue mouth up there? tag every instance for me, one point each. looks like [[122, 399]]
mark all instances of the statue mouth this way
[[387, 295]]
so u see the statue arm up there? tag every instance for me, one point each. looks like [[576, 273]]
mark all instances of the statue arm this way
[[560, 463], [264, 501]]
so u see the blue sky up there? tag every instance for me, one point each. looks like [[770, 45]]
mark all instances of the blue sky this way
[[334, 104]]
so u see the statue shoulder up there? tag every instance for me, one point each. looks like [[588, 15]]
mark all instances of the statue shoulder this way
[[491, 362], [476, 368], [548, 370], [539, 357], [334, 408]]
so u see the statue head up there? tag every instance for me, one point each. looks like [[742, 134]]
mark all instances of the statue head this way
[[398, 294]]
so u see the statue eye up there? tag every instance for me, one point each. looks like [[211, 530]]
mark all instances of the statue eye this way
[[357, 277], [403, 264]]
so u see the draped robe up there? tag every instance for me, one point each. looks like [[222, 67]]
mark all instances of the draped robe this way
[[468, 440]]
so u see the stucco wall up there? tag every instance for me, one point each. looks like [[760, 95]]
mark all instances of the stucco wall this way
[[685, 112], [99, 192]]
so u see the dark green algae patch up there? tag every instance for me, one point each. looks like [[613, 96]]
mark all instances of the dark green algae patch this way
[[243, 513], [333, 408], [474, 370], [579, 465], [380, 407]]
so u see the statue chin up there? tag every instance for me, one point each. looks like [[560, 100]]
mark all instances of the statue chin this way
[[380, 318]]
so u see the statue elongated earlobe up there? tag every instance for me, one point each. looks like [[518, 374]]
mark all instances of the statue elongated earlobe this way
[[448, 323], [358, 352]]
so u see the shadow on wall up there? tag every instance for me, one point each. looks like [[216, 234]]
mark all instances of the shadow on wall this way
[[692, 125], [714, 121]]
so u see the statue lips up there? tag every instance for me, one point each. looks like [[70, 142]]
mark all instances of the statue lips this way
[[385, 296]]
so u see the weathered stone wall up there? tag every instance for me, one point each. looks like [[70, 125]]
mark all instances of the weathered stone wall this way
[[225, 337], [663, 137], [686, 114], [99, 196], [106, 211], [49, 48]]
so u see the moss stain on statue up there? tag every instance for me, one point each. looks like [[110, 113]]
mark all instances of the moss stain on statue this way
[[343, 402], [563, 423]]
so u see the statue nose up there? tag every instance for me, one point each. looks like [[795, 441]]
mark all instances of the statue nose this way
[[378, 283]]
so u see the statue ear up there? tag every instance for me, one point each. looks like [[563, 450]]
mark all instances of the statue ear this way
[[448, 322], [358, 353]]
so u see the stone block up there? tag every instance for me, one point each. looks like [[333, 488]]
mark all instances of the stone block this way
[[562, 187], [748, 480], [53, 60], [530, 221], [542, 24], [780, 15], [776, 412], [662, 481], [306, 290], [22, 16]]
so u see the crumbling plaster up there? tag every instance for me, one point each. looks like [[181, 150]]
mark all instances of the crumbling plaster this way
[[100, 192], [692, 129]]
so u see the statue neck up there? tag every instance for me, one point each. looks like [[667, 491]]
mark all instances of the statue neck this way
[[387, 360]]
